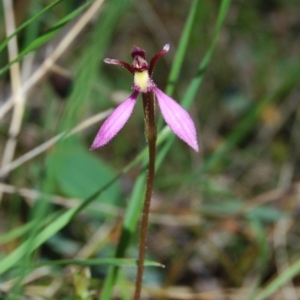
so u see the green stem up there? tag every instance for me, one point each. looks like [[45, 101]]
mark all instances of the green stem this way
[[150, 132]]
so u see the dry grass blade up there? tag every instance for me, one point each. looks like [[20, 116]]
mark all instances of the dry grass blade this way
[[162, 219], [281, 257], [15, 76], [33, 195], [34, 275], [50, 61], [43, 147]]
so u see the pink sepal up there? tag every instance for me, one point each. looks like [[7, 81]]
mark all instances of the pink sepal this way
[[115, 122], [177, 118]]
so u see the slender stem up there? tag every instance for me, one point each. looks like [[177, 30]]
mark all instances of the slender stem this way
[[150, 131]]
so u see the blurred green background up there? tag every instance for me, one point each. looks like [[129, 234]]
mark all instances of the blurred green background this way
[[223, 221]]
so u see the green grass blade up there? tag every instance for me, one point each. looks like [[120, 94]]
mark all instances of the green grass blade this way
[[120, 262], [180, 53], [13, 258], [283, 278], [61, 221], [52, 31], [16, 233], [181, 49], [129, 224], [193, 87], [38, 42], [28, 22], [262, 257], [21, 231]]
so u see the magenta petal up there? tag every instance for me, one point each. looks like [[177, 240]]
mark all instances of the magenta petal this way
[[177, 118], [114, 123]]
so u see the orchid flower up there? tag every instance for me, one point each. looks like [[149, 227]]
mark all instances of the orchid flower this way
[[174, 115]]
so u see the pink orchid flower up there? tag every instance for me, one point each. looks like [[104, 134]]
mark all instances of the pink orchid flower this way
[[175, 116]]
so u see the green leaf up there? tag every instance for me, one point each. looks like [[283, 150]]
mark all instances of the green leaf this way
[[79, 173]]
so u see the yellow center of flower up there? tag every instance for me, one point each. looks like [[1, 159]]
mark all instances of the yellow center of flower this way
[[141, 81]]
